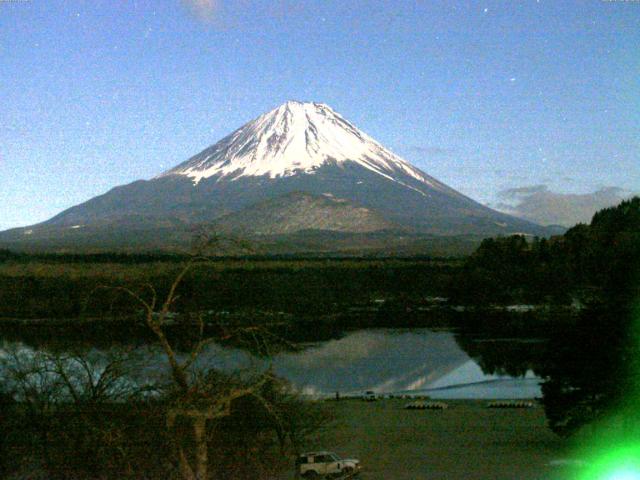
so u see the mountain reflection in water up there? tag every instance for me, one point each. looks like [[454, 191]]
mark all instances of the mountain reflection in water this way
[[412, 362], [398, 362]]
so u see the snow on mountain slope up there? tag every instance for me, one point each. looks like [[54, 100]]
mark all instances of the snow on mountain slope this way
[[298, 138]]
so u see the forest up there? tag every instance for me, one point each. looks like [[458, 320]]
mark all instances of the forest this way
[[590, 364]]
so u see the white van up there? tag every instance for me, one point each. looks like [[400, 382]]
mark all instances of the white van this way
[[326, 464]]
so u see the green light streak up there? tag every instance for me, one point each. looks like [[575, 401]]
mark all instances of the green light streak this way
[[624, 475], [616, 454], [621, 463]]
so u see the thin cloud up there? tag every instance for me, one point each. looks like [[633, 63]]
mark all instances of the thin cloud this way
[[541, 205], [430, 150], [241, 13], [515, 193], [203, 10]]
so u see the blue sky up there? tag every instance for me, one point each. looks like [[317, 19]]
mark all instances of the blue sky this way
[[483, 95]]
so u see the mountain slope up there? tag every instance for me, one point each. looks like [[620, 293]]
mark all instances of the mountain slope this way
[[298, 147], [299, 211]]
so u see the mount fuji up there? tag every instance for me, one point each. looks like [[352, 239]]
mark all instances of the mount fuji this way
[[298, 170]]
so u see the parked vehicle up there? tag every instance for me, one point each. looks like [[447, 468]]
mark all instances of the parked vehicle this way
[[369, 396], [326, 464]]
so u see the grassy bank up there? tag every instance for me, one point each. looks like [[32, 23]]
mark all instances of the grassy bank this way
[[466, 441]]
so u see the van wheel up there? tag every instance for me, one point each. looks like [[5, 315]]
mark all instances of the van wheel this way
[[347, 471], [311, 475]]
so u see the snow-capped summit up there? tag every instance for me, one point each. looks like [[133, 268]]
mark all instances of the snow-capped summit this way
[[297, 137]]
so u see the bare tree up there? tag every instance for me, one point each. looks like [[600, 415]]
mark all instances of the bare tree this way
[[197, 399], [89, 414], [64, 402]]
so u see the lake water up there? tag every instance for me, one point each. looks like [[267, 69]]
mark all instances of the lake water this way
[[387, 361]]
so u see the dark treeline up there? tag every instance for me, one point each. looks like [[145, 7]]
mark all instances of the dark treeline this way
[[515, 270], [132, 258], [43, 290], [7, 255], [585, 263], [591, 364]]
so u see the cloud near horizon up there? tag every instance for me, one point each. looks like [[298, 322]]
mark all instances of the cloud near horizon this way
[[545, 207]]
